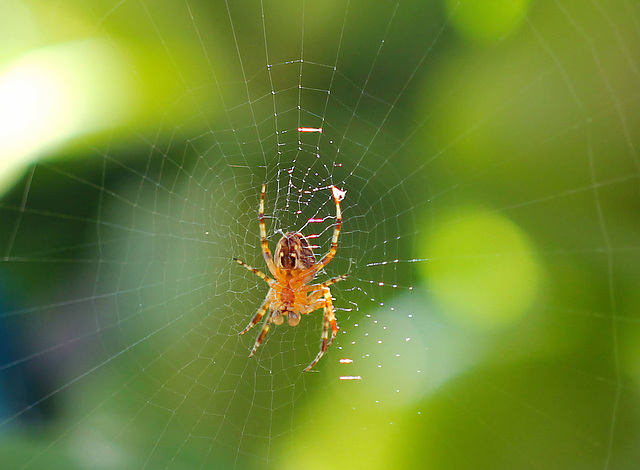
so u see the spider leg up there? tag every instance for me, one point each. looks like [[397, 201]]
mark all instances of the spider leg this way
[[263, 333], [328, 283], [259, 314], [329, 323], [334, 240], [266, 252], [254, 270], [314, 300]]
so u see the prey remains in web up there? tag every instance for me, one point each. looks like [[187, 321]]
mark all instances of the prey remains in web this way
[[293, 267]]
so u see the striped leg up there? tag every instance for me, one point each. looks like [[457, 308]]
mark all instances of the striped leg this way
[[263, 333], [330, 282], [255, 271], [266, 252], [331, 312], [259, 314], [337, 194], [329, 323], [319, 290]]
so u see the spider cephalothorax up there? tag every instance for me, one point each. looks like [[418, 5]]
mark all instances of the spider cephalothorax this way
[[293, 267]]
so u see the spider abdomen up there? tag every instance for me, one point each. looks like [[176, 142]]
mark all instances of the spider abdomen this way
[[293, 252]]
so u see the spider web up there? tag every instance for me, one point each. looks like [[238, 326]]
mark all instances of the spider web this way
[[490, 234]]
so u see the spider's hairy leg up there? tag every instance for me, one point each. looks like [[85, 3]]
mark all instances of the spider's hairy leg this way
[[259, 314], [337, 196], [329, 323], [266, 252], [263, 333], [330, 282], [319, 290], [253, 270]]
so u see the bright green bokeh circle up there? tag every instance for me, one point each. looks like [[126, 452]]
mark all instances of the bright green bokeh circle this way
[[480, 268], [486, 20]]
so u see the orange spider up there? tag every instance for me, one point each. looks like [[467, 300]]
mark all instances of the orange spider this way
[[294, 267]]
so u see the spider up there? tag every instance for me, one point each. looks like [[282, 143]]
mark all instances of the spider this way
[[293, 267]]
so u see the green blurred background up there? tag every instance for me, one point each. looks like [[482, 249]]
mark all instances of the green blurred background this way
[[491, 160]]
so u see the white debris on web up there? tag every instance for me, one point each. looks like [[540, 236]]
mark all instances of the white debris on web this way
[[339, 194]]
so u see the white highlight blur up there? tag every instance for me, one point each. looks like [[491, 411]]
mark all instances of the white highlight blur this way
[[51, 95], [402, 370]]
